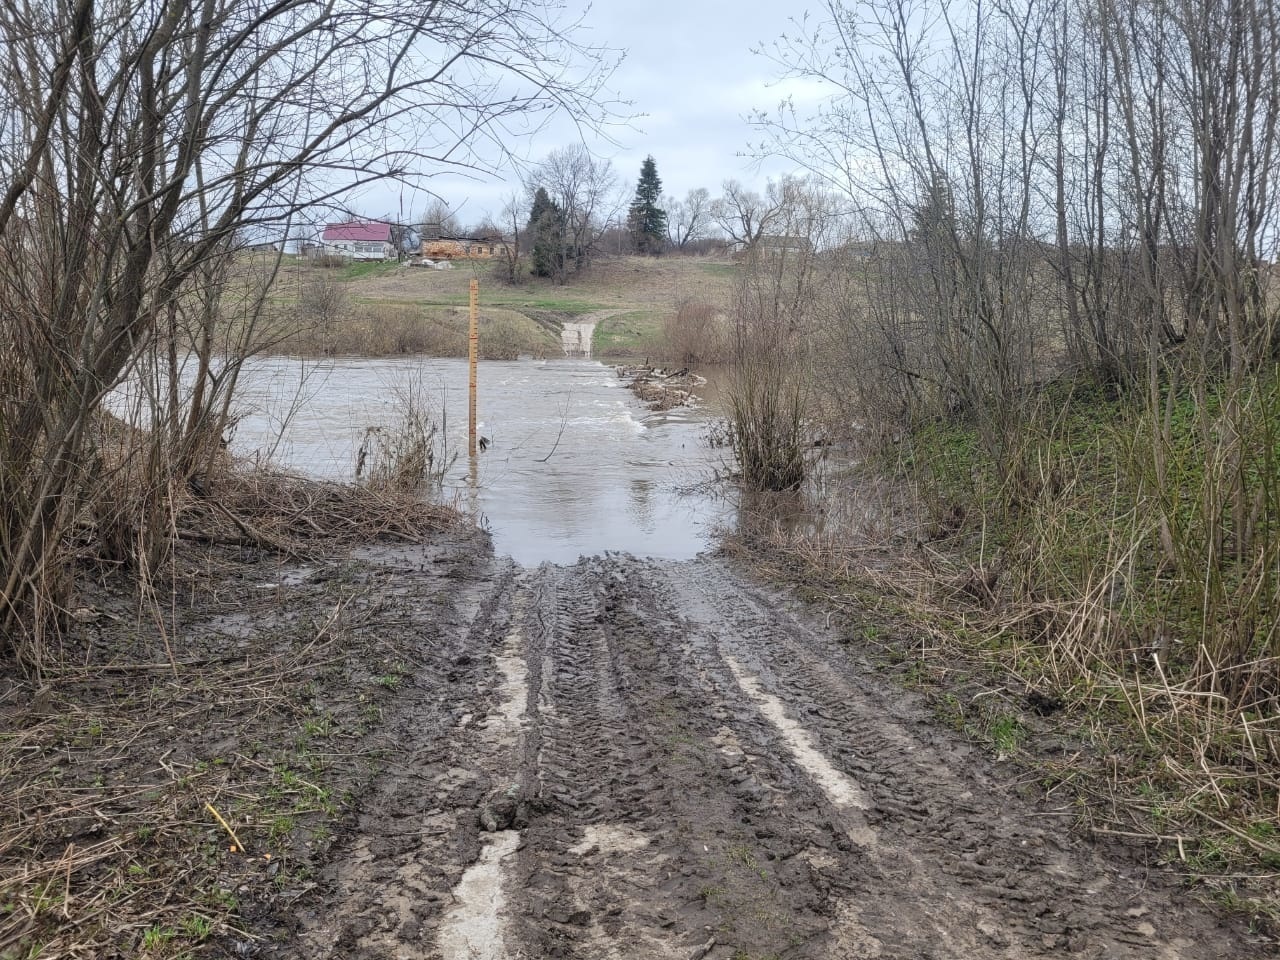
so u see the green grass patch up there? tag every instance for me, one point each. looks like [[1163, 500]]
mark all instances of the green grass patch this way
[[719, 270], [564, 305], [359, 269], [628, 335]]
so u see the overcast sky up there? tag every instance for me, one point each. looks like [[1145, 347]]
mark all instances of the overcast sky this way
[[692, 80]]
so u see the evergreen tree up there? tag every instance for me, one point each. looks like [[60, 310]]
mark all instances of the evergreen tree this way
[[546, 235], [645, 219]]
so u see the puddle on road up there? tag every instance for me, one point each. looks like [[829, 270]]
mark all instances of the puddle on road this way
[[513, 691], [575, 464], [609, 838], [474, 928]]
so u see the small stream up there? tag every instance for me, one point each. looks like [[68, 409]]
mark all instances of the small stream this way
[[575, 465]]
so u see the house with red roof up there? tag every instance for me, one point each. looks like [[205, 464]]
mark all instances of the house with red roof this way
[[359, 240]]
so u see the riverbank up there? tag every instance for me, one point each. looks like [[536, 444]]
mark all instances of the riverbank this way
[[197, 745], [1115, 743], [394, 309]]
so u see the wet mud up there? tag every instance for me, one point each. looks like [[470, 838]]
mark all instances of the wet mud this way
[[640, 759]]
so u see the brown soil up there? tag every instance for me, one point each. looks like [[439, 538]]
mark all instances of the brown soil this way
[[427, 753], [637, 759], [247, 686]]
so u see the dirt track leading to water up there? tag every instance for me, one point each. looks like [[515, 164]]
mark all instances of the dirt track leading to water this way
[[634, 759]]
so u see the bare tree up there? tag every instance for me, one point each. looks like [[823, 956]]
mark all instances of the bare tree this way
[[688, 220], [585, 188], [743, 215], [438, 220], [139, 137], [515, 213]]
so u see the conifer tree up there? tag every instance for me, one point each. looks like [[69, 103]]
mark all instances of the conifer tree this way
[[546, 234], [645, 219]]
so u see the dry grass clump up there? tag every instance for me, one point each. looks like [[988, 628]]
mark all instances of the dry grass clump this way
[[237, 504], [412, 455], [157, 790], [301, 516]]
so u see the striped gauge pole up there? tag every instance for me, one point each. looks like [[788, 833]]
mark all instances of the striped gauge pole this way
[[473, 338]]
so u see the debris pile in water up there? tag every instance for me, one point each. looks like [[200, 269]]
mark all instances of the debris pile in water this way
[[661, 389]]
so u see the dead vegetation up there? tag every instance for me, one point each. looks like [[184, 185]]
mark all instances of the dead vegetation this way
[[190, 746], [660, 389], [1115, 739]]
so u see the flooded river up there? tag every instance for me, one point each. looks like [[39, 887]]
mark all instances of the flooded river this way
[[575, 464]]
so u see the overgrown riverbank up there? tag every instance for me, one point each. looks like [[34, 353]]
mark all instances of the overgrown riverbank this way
[[193, 749], [1034, 600]]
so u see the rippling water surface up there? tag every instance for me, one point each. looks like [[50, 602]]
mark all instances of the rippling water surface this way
[[576, 465]]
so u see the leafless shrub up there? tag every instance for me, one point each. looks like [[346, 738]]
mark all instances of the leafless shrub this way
[[322, 304], [775, 315], [767, 407], [412, 453], [696, 334]]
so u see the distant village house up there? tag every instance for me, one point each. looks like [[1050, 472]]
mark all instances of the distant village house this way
[[781, 245], [358, 240], [440, 246]]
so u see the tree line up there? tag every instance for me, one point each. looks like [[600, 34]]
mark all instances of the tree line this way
[[1039, 199], [573, 207]]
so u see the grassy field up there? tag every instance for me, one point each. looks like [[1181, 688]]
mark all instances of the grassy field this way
[[631, 335], [380, 309]]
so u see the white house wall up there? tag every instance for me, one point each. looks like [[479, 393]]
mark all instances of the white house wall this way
[[360, 250]]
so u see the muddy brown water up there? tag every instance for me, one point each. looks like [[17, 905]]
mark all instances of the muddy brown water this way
[[574, 464]]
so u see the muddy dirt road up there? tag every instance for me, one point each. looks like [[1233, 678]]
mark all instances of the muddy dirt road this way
[[633, 759]]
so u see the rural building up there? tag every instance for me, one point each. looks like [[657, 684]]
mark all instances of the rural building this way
[[781, 245], [444, 247], [359, 240]]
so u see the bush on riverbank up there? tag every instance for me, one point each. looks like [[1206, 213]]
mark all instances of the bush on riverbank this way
[[697, 334], [1108, 540]]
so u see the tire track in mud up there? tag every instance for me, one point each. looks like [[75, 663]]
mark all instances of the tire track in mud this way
[[626, 759], [389, 881], [660, 835], [582, 754], [969, 871]]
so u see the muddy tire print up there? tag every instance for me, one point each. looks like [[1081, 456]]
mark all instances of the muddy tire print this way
[[642, 759]]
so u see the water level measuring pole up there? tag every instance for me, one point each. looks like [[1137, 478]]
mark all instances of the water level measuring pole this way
[[473, 338]]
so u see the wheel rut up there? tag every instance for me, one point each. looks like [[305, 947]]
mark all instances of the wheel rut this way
[[634, 759]]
